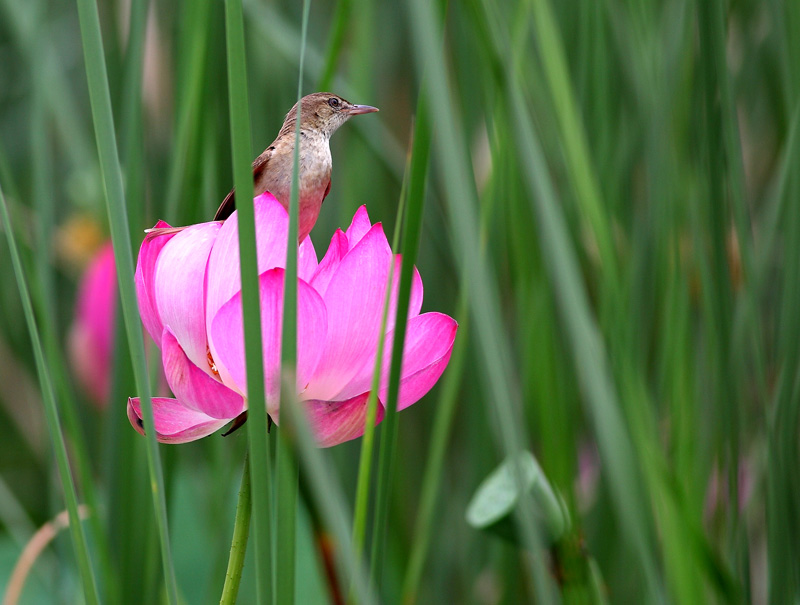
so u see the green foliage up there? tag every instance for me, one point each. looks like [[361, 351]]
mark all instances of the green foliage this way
[[603, 194]]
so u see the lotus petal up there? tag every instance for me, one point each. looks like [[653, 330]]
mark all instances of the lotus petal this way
[[193, 387], [429, 342], [354, 300], [359, 226], [145, 273], [179, 287], [334, 422], [174, 422], [227, 331]]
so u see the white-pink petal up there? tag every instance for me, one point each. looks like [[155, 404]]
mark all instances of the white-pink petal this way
[[151, 246], [179, 287], [223, 264]]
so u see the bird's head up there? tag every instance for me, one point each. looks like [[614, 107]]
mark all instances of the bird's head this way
[[325, 112]]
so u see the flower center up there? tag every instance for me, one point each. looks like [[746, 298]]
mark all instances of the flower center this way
[[211, 363]]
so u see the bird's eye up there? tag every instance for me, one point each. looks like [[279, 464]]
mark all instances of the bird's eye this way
[[333, 102]]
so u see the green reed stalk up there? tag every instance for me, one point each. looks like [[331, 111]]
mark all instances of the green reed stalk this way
[[260, 465], [412, 227], [287, 465], [118, 220], [368, 438], [241, 531], [474, 269], [52, 417]]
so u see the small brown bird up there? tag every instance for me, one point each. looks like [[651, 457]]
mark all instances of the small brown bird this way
[[321, 114]]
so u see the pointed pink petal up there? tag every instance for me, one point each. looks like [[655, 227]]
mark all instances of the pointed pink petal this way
[[145, 272], [330, 262], [428, 346], [429, 342], [306, 260], [359, 226], [224, 274], [174, 423], [194, 388], [179, 288], [334, 422], [354, 300], [227, 333], [414, 302]]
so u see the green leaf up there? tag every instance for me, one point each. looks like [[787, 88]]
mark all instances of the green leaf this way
[[493, 505]]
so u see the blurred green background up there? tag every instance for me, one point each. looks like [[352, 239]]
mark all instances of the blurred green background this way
[[612, 214]]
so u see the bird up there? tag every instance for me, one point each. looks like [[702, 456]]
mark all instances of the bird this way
[[321, 114]]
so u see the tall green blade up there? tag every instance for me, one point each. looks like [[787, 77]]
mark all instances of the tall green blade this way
[[587, 345], [120, 234], [461, 199], [411, 228], [51, 414], [287, 464], [260, 465]]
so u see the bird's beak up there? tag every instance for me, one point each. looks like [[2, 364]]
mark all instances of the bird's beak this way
[[357, 109]]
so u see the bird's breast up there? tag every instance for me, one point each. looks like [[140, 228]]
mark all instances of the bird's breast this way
[[315, 155], [315, 167], [315, 176]]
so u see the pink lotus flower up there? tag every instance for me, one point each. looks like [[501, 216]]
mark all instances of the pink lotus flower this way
[[190, 302], [92, 331]]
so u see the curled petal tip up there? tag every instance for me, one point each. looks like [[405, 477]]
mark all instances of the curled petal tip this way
[[133, 415], [174, 422]]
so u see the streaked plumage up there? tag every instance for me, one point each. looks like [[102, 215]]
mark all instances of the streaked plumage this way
[[321, 114]]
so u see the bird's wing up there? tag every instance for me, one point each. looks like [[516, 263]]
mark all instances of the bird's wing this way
[[228, 205], [226, 208]]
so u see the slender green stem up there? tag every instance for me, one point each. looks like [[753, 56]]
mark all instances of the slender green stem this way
[[584, 180], [287, 465], [477, 273], [190, 103], [718, 293], [241, 531], [340, 20], [324, 488], [327, 552], [413, 226], [286, 491], [131, 118], [51, 415], [124, 513], [432, 481], [118, 220], [367, 440], [257, 410], [585, 340], [45, 300]]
